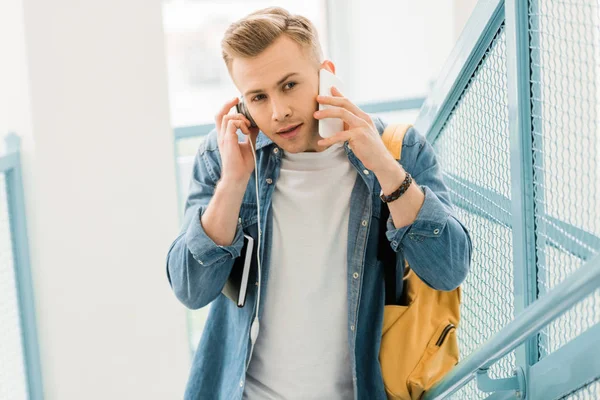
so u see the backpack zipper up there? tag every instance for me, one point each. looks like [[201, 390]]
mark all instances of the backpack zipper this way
[[445, 332]]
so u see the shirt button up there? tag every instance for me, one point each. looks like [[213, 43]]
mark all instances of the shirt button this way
[[275, 150], [269, 181], [364, 223], [394, 243], [366, 172], [355, 275], [240, 220], [351, 327], [436, 231], [241, 383], [200, 262]]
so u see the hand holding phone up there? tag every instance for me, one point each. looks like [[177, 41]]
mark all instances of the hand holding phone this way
[[329, 126], [237, 157]]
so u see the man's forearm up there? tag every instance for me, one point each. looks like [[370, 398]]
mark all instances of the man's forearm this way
[[220, 219]]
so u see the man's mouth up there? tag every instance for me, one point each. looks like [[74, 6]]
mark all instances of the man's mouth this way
[[290, 131]]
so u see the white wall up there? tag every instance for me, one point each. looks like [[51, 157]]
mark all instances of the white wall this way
[[389, 49], [462, 12], [14, 85], [14, 117], [84, 83]]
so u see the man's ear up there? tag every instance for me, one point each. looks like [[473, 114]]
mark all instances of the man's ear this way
[[328, 65]]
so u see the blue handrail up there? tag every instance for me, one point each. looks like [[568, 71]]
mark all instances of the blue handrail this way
[[10, 166], [565, 295], [536, 378]]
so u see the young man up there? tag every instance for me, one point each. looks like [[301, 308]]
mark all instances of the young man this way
[[322, 289]]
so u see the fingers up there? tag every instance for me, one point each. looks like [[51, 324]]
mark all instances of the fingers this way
[[339, 100], [339, 137], [232, 117], [249, 142], [223, 112], [336, 92], [234, 124], [345, 115], [228, 141], [229, 136]]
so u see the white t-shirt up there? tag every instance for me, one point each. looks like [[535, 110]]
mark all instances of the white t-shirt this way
[[302, 350]]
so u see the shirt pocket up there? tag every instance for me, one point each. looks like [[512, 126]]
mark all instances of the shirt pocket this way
[[248, 215]]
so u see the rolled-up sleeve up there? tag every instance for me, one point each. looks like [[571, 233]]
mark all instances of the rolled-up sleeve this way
[[436, 245], [204, 250], [197, 268]]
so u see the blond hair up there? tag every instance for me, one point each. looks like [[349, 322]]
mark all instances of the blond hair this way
[[251, 35]]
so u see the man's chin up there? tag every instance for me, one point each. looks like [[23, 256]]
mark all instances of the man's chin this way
[[293, 148], [297, 144]]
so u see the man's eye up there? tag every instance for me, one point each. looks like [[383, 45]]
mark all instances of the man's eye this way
[[290, 85], [258, 97]]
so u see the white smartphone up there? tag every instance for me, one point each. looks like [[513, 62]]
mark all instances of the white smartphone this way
[[329, 126]]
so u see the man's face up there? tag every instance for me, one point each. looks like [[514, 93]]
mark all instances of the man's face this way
[[280, 86]]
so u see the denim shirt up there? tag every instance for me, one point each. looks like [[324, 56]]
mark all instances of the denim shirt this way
[[436, 245]]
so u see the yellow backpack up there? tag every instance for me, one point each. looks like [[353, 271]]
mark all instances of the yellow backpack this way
[[418, 344]]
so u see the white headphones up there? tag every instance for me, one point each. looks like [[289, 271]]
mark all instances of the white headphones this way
[[255, 327]]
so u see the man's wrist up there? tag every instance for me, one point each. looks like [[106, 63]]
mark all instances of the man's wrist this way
[[390, 177], [233, 186]]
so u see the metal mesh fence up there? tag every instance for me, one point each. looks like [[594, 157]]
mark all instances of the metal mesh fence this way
[[588, 392], [12, 367], [565, 69], [473, 149]]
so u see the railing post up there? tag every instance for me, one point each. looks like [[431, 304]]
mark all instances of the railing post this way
[[18, 231], [521, 143]]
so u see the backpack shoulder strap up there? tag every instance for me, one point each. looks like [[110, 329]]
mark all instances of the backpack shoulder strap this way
[[392, 137]]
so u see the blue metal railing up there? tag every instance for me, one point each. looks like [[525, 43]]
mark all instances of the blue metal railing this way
[[567, 294], [494, 121], [10, 169]]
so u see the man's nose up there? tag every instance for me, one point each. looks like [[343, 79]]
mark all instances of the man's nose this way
[[281, 111]]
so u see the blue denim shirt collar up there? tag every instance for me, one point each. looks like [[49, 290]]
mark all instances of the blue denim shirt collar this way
[[262, 140], [264, 143]]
